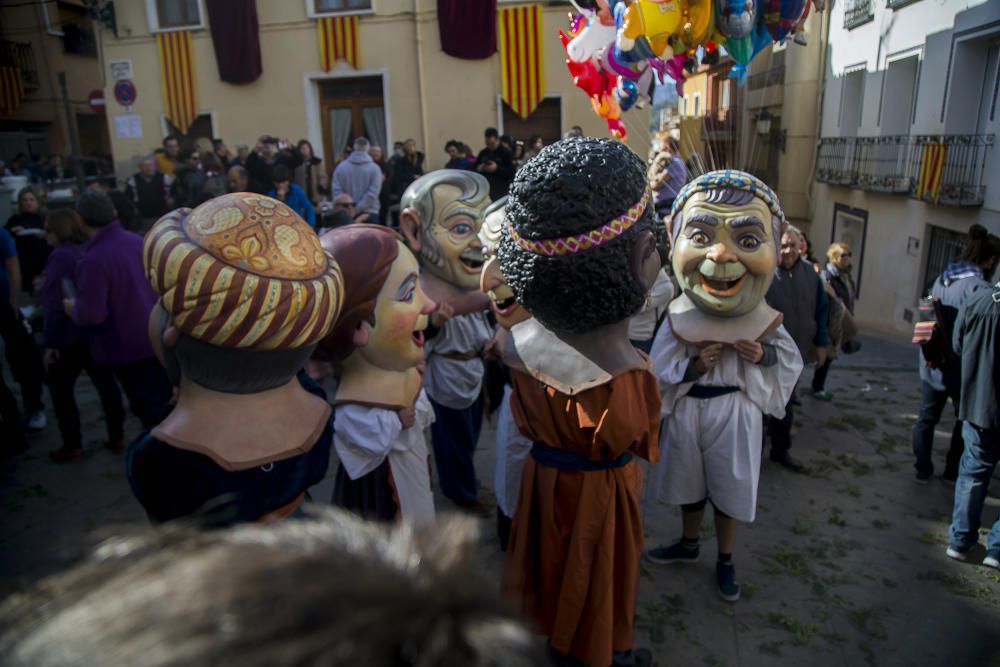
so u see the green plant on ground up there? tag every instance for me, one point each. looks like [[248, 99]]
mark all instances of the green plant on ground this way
[[836, 517], [868, 620], [801, 633]]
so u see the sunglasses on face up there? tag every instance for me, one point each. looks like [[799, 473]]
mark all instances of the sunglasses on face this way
[[344, 204]]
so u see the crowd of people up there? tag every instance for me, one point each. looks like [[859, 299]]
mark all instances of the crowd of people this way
[[462, 297]]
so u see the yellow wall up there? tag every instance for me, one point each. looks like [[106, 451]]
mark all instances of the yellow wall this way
[[459, 98]]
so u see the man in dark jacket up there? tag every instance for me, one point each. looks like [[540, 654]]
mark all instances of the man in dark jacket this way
[[148, 190], [977, 331], [495, 163], [260, 164], [797, 293]]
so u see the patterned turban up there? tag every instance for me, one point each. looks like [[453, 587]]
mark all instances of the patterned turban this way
[[732, 179], [244, 271]]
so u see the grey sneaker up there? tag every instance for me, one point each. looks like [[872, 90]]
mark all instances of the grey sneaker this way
[[992, 560], [37, 421], [952, 552], [678, 552]]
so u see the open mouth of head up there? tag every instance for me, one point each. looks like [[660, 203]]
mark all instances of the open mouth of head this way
[[472, 265], [418, 338], [722, 288], [504, 306]]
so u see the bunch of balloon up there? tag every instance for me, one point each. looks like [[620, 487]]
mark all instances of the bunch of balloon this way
[[614, 48]]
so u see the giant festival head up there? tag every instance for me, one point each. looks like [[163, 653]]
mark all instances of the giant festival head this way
[[724, 230], [506, 308], [245, 289], [440, 218], [578, 249], [385, 311]]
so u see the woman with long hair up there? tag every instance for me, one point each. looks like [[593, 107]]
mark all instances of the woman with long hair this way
[[66, 351], [310, 175]]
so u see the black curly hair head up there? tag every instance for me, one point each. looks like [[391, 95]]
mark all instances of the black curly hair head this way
[[571, 187]]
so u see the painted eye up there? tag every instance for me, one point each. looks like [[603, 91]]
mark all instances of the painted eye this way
[[462, 228], [700, 238], [749, 242]]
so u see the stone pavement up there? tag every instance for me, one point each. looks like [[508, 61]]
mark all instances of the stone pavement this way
[[844, 565]]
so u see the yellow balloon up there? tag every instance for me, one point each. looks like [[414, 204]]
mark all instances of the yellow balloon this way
[[656, 20], [697, 26]]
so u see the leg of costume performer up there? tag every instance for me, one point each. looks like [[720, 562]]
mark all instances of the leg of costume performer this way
[[454, 434], [148, 390]]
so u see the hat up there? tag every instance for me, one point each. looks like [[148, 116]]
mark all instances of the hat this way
[[244, 271], [735, 180], [96, 208]]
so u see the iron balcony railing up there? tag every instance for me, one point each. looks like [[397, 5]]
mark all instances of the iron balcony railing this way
[[21, 56], [858, 12], [896, 4], [772, 77], [947, 169]]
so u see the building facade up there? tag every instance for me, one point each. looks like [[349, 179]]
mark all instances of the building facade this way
[[41, 43], [907, 160], [403, 85]]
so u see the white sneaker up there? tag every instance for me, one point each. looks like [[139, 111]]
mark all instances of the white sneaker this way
[[992, 561], [37, 421], [956, 554]]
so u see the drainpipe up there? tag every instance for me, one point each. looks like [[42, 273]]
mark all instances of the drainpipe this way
[[421, 77], [74, 141], [820, 96]]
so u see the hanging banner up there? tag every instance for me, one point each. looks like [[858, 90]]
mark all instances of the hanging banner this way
[[11, 90], [338, 40], [521, 63], [180, 95], [931, 171]]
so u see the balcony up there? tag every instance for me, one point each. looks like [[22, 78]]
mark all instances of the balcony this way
[[772, 77], [893, 164], [898, 4], [858, 12], [21, 56]]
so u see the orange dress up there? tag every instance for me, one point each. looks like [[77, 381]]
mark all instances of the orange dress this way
[[573, 560]]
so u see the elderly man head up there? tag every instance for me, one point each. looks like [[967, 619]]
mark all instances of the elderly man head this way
[[441, 217], [238, 179]]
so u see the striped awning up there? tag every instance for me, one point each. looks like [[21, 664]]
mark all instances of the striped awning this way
[[11, 89], [521, 63], [338, 40], [180, 89]]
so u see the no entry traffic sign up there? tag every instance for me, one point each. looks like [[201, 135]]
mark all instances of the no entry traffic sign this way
[[96, 101]]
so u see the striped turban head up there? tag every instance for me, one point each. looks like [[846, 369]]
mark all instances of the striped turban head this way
[[244, 271]]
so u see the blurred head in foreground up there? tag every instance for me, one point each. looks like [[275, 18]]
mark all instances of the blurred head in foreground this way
[[330, 590]]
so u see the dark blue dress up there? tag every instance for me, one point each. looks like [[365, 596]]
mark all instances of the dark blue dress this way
[[173, 483]]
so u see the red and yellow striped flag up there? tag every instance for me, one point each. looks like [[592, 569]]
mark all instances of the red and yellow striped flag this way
[[931, 171], [338, 40], [180, 92], [11, 90], [521, 63]]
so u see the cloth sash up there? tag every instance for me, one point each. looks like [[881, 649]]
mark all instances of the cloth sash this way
[[702, 391], [560, 459]]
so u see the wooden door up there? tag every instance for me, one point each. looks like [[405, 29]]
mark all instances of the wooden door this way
[[343, 103]]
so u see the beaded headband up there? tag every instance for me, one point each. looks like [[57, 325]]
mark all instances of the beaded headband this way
[[729, 178], [569, 245]]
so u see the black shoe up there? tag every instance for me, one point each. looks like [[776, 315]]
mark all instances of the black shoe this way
[[923, 477], [725, 576], [795, 400], [678, 552], [785, 459]]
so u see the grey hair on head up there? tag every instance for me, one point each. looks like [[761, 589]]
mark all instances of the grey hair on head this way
[[420, 194], [732, 197], [362, 144]]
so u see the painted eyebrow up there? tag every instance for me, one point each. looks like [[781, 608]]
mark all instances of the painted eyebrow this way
[[703, 218], [746, 221], [405, 286]]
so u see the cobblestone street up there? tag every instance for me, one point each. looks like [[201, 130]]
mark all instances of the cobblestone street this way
[[845, 564]]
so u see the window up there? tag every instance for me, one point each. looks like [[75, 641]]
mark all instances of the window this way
[[684, 107], [851, 102], [545, 121], [697, 104], [201, 128], [77, 30], [944, 248], [167, 15], [898, 92], [321, 7], [724, 94]]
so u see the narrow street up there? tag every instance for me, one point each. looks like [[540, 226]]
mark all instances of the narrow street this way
[[845, 565]]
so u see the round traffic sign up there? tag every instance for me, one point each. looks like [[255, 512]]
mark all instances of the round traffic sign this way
[[125, 92], [96, 100]]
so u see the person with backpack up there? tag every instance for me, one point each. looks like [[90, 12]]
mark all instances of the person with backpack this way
[[940, 368]]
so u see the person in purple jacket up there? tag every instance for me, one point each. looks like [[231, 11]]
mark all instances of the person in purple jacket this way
[[66, 352], [114, 299]]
